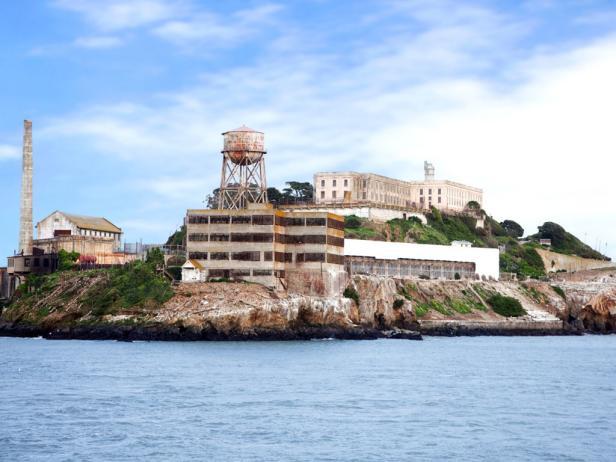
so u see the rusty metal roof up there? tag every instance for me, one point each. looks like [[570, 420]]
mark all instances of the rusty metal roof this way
[[93, 223], [243, 128]]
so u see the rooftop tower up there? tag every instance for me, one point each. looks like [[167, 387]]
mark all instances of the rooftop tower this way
[[242, 179], [25, 212], [428, 171]]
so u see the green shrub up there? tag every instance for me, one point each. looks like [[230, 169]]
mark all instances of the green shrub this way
[[560, 292], [352, 221], [134, 285], [506, 306], [351, 293], [66, 260]]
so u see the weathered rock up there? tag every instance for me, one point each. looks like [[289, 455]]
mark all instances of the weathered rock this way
[[599, 314]]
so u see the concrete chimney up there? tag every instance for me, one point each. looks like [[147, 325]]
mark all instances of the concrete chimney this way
[[25, 218]]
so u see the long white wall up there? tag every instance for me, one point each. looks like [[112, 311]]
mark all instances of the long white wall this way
[[486, 260]]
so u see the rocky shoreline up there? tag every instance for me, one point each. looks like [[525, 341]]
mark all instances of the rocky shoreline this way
[[166, 333]]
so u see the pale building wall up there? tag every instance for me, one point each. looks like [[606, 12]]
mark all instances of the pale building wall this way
[[372, 213], [330, 188], [558, 262], [46, 228], [486, 260]]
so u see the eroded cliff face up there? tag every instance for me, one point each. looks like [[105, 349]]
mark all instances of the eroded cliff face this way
[[599, 314], [200, 311], [386, 307]]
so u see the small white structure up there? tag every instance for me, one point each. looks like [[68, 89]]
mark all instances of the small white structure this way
[[461, 244], [193, 271], [486, 260]]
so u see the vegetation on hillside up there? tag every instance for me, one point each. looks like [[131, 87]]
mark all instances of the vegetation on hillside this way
[[566, 243], [177, 238], [506, 306], [98, 292]]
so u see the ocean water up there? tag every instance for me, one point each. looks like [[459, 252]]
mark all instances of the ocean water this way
[[483, 398]]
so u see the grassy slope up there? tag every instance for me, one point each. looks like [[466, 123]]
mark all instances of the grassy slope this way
[[443, 229], [75, 296]]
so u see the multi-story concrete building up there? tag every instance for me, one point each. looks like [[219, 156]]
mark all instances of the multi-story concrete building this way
[[352, 188], [299, 251]]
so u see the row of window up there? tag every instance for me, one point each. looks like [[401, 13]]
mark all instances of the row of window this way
[[281, 257], [268, 237], [91, 232], [217, 273], [335, 183], [263, 220], [257, 220]]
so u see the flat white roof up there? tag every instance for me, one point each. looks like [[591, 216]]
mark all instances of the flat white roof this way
[[486, 260]]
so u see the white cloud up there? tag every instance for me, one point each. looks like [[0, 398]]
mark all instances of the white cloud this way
[[98, 42], [206, 27], [121, 14], [533, 129], [8, 152]]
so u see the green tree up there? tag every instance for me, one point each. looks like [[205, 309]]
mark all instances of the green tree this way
[[297, 191], [274, 195], [553, 231], [512, 228], [352, 222], [177, 238], [155, 258]]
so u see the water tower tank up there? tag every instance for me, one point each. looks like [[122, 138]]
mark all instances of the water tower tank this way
[[244, 146]]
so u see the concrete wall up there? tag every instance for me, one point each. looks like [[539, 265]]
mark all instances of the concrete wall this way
[[486, 260], [46, 227], [557, 262], [372, 213]]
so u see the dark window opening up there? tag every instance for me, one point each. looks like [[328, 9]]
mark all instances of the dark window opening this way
[[198, 237], [243, 219], [262, 219], [197, 255], [218, 219], [219, 255], [246, 256], [197, 219]]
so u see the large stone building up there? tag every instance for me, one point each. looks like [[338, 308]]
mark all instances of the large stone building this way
[[299, 251], [352, 188]]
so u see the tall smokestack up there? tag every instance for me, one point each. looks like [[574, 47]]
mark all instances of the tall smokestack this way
[[25, 219]]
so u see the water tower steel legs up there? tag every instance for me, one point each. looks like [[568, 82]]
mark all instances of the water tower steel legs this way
[[242, 184]]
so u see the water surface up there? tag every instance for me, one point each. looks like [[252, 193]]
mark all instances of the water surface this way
[[483, 398]]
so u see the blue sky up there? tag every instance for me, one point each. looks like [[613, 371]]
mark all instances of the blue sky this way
[[128, 100]]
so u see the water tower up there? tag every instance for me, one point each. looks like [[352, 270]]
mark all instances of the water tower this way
[[243, 169]]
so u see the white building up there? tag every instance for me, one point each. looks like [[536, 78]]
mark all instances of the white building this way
[[60, 224], [193, 271], [484, 262]]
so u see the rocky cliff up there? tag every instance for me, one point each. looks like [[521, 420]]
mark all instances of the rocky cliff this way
[[201, 311], [376, 307]]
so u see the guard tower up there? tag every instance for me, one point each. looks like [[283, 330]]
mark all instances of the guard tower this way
[[428, 171], [243, 169]]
